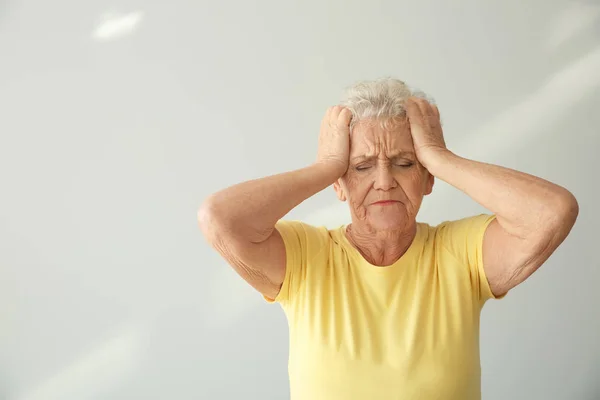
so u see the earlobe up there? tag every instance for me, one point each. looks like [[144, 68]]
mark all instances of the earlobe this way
[[430, 183], [339, 191]]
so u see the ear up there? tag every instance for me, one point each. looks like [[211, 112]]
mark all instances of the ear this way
[[339, 190], [430, 180]]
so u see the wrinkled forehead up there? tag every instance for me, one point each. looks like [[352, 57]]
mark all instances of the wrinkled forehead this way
[[376, 137]]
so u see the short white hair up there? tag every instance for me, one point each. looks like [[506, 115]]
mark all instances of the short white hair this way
[[381, 99]]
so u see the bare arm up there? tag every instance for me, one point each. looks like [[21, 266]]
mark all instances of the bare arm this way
[[533, 216], [239, 221]]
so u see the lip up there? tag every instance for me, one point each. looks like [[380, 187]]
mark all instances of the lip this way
[[385, 202]]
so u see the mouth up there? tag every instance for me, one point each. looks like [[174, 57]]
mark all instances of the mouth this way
[[385, 202]]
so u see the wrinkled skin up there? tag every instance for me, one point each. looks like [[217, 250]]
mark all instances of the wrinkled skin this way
[[383, 166]]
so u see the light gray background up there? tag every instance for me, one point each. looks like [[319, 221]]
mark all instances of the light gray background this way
[[119, 118]]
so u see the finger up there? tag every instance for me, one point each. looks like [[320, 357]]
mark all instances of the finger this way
[[435, 110], [344, 117], [414, 113], [430, 112], [327, 116], [335, 112], [424, 106], [436, 119], [329, 121]]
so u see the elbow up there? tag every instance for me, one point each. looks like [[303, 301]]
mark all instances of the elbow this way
[[203, 217], [209, 219], [570, 208], [565, 212], [218, 222]]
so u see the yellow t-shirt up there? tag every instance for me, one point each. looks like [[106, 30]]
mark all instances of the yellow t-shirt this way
[[406, 331]]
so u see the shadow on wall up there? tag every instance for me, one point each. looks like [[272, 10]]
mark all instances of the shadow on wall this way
[[102, 367]]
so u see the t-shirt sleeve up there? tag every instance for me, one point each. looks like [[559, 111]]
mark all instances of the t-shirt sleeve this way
[[301, 241], [464, 239]]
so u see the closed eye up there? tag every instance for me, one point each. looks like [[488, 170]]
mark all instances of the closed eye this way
[[401, 165]]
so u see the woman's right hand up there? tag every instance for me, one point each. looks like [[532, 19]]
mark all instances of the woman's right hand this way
[[334, 139]]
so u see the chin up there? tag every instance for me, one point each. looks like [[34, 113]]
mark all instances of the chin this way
[[388, 222]]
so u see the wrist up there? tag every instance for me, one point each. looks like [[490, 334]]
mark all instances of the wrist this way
[[332, 169], [433, 160]]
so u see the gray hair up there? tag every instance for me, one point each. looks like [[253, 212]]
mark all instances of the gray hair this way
[[382, 100]]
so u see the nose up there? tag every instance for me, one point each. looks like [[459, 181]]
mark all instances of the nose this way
[[384, 179]]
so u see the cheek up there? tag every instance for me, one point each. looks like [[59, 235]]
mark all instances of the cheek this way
[[357, 187], [412, 182], [417, 186]]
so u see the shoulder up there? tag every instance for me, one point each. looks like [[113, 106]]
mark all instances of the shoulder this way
[[456, 246], [306, 246], [302, 236], [468, 226], [461, 237], [301, 229]]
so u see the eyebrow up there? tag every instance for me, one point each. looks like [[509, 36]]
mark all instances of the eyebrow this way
[[394, 155]]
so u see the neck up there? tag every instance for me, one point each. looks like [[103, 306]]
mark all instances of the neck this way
[[381, 248]]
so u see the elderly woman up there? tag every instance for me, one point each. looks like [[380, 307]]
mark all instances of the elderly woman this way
[[386, 307]]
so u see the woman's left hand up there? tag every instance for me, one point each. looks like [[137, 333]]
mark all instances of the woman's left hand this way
[[425, 128]]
